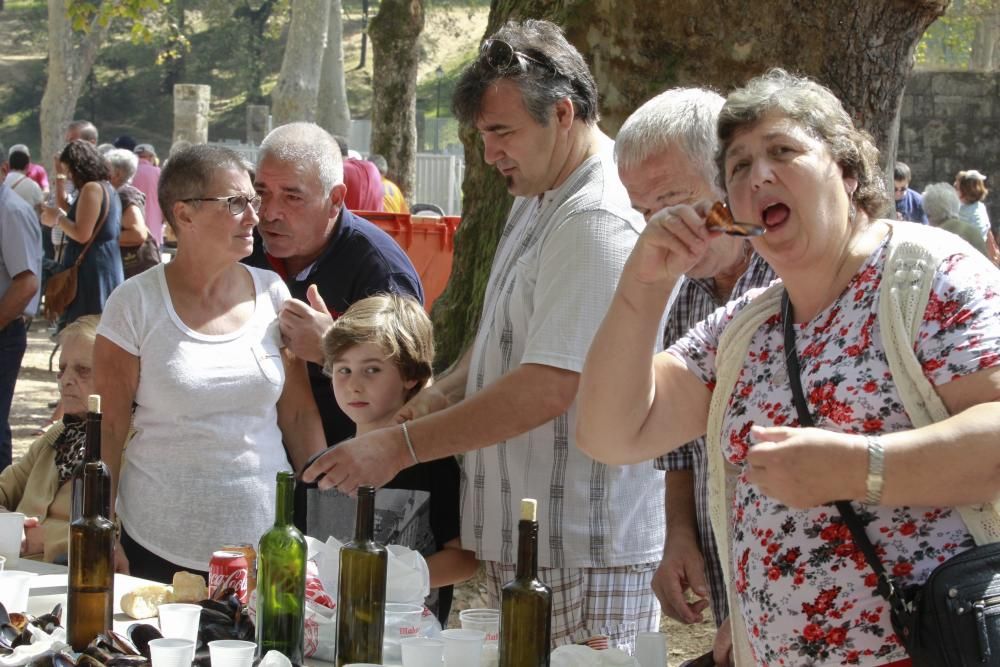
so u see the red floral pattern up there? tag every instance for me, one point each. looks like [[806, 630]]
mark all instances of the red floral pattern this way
[[806, 593]]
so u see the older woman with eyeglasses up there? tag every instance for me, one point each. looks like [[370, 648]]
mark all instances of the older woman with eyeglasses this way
[[194, 345]]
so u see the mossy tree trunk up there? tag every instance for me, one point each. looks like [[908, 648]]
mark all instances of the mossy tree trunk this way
[[637, 48], [295, 95], [71, 59], [333, 114], [395, 34]]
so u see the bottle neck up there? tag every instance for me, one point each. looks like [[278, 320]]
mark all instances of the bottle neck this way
[[364, 526], [92, 451], [527, 550], [93, 489], [285, 501]]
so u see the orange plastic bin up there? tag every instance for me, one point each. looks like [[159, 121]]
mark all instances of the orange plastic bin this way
[[428, 241]]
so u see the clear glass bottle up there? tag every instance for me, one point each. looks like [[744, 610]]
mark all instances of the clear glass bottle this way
[[525, 602], [361, 597], [281, 580]]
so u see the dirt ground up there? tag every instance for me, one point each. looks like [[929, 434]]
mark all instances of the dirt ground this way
[[36, 388]]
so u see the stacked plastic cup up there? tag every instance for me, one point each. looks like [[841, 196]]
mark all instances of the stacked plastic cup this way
[[422, 652], [463, 648], [484, 620], [171, 652], [231, 653]]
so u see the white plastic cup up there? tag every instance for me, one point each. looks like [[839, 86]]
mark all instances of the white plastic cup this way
[[14, 586], [422, 652], [463, 648], [171, 652], [3, 562], [484, 620], [231, 653], [651, 649], [11, 534], [401, 621], [180, 621]]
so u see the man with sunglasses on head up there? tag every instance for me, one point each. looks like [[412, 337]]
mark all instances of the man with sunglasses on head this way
[[509, 404], [328, 257]]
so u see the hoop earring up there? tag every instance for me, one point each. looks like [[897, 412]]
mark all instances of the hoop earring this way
[[852, 211]]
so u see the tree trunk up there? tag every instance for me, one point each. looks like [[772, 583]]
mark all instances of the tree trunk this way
[[295, 94], [395, 32], [637, 48], [71, 59], [985, 56], [334, 115]]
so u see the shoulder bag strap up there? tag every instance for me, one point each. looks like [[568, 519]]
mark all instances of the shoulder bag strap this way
[[886, 584], [106, 206]]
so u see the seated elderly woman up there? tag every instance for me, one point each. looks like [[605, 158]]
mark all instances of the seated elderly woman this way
[[218, 399], [36, 484], [941, 205], [906, 417]]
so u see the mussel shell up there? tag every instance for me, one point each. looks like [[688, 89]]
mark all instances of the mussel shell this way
[[217, 606], [140, 634], [52, 659], [128, 661], [213, 617], [87, 660], [99, 653]]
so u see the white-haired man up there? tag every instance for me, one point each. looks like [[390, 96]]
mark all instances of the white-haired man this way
[[328, 256], [666, 156]]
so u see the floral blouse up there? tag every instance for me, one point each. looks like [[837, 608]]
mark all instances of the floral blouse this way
[[806, 593]]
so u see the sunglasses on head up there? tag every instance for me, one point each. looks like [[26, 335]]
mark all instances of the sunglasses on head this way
[[502, 58]]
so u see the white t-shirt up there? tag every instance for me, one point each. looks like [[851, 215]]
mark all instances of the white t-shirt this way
[[200, 471], [26, 188], [553, 277]]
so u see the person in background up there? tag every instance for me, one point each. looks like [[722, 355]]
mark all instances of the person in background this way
[[666, 156], [379, 354], [363, 181], [146, 180], [942, 206], [19, 180], [20, 279], [125, 142], [971, 188], [35, 171], [77, 130], [219, 398], [909, 203], [123, 164], [800, 591], [101, 270], [393, 200], [37, 484], [510, 401]]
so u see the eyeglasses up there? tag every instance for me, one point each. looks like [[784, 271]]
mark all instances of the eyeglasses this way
[[501, 57], [236, 203]]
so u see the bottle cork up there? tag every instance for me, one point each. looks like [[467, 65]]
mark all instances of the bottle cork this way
[[94, 403], [529, 509]]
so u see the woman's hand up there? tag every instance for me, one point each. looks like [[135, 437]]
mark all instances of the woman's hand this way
[[429, 399], [50, 215], [121, 560], [674, 241], [807, 467], [33, 541]]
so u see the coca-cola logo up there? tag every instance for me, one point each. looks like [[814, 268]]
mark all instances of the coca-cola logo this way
[[237, 580]]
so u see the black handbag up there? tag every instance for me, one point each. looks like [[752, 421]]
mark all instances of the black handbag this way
[[139, 258], [951, 620]]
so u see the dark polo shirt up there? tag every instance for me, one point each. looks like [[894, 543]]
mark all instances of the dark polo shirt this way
[[359, 261]]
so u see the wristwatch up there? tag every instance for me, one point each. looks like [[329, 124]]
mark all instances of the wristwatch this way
[[876, 470]]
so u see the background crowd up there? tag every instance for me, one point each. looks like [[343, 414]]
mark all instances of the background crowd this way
[[629, 369]]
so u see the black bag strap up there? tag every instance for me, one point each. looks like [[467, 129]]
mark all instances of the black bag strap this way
[[886, 584], [105, 209]]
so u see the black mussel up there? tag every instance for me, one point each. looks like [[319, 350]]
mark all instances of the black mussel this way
[[98, 653], [128, 661], [87, 660], [216, 605], [140, 634], [52, 659], [121, 643], [213, 617], [202, 659], [8, 635], [213, 632], [50, 621]]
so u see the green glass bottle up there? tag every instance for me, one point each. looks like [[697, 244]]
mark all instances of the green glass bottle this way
[[361, 598], [281, 580], [90, 595], [92, 453], [525, 602]]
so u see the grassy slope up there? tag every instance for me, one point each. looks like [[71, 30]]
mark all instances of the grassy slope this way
[[128, 93]]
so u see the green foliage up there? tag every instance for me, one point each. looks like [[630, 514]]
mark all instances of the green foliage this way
[[947, 43], [84, 14]]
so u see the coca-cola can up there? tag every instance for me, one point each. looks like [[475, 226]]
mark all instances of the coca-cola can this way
[[251, 554], [228, 569]]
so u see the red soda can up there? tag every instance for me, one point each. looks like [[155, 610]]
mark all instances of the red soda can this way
[[228, 569]]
